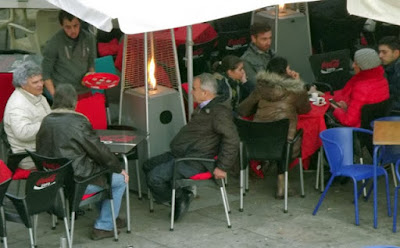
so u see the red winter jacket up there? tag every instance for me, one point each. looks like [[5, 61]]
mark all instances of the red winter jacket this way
[[366, 87]]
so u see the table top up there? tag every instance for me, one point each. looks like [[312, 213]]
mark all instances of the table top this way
[[120, 141], [386, 133], [29, 4]]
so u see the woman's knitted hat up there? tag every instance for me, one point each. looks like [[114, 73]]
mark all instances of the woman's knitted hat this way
[[367, 58]]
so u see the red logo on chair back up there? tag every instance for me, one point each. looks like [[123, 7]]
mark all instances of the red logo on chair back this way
[[235, 42], [50, 165], [330, 66], [45, 182]]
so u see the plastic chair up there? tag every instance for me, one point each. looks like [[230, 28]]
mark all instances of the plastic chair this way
[[390, 154], [41, 190], [201, 58], [5, 180], [266, 141], [198, 181], [338, 146], [33, 40], [396, 193], [5, 22], [332, 68], [75, 189], [6, 90], [233, 42]]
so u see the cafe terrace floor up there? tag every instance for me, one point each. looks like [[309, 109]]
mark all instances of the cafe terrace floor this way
[[262, 224]]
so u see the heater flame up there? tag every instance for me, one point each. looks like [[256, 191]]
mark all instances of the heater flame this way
[[152, 73], [282, 7]]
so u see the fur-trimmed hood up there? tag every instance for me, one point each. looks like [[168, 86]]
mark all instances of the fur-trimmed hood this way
[[274, 87]]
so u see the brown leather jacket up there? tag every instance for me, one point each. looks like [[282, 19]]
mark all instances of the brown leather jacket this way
[[275, 98]]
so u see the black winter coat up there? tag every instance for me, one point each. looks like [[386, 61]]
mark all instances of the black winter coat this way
[[69, 134], [210, 132]]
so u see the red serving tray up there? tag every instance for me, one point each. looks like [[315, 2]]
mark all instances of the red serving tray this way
[[101, 80]]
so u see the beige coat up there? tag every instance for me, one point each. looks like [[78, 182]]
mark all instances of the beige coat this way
[[275, 98]]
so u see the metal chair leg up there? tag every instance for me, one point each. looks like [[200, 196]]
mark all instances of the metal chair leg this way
[[317, 176], [225, 201], [226, 196], [172, 210], [139, 185], [393, 174], [247, 179], [114, 220], [128, 208], [31, 238], [285, 210], [301, 176], [242, 191]]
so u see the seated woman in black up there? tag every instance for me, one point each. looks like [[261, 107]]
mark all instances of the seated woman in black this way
[[231, 79]]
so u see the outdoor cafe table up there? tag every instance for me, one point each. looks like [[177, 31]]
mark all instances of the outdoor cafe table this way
[[385, 133], [312, 124], [123, 142]]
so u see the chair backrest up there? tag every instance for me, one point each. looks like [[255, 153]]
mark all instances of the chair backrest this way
[[42, 187], [6, 89], [105, 64], [5, 179], [338, 147], [263, 140], [201, 58], [46, 25], [233, 42], [332, 68], [370, 112]]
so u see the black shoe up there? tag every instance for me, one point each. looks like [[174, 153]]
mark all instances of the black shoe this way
[[182, 205]]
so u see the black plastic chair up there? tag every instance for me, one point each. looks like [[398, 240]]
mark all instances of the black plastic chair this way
[[266, 141], [5, 181], [75, 189], [192, 182], [201, 58], [332, 68], [233, 42], [41, 190]]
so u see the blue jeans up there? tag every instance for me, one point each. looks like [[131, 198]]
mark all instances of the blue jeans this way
[[104, 221]]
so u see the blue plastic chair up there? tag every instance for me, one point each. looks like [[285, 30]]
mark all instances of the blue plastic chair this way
[[338, 146]]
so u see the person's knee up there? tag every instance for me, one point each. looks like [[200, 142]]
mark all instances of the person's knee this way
[[118, 181]]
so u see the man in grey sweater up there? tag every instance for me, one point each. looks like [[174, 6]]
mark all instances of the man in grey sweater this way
[[68, 55]]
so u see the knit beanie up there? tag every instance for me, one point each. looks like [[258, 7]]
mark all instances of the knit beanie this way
[[367, 58]]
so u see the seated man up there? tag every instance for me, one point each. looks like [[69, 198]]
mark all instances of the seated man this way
[[66, 133], [210, 132], [259, 53], [69, 55], [25, 110], [368, 86], [389, 53]]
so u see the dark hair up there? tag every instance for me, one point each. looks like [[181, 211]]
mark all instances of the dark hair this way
[[65, 97], [278, 65], [259, 27], [391, 41], [65, 15], [229, 62]]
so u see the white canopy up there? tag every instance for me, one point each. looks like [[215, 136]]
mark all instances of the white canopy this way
[[379, 10], [152, 15]]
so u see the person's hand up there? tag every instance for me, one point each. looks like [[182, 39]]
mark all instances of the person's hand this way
[[219, 174], [244, 78], [342, 104], [87, 73], [126, 176], [293, 74]]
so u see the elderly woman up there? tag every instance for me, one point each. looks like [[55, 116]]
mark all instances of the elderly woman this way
[[25, 110], [77, 140], [278, 94]]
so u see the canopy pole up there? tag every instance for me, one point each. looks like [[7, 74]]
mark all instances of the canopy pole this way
[[189, 61]]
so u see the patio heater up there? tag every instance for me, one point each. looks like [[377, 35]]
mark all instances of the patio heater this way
[[151, 93], [291, 37]]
